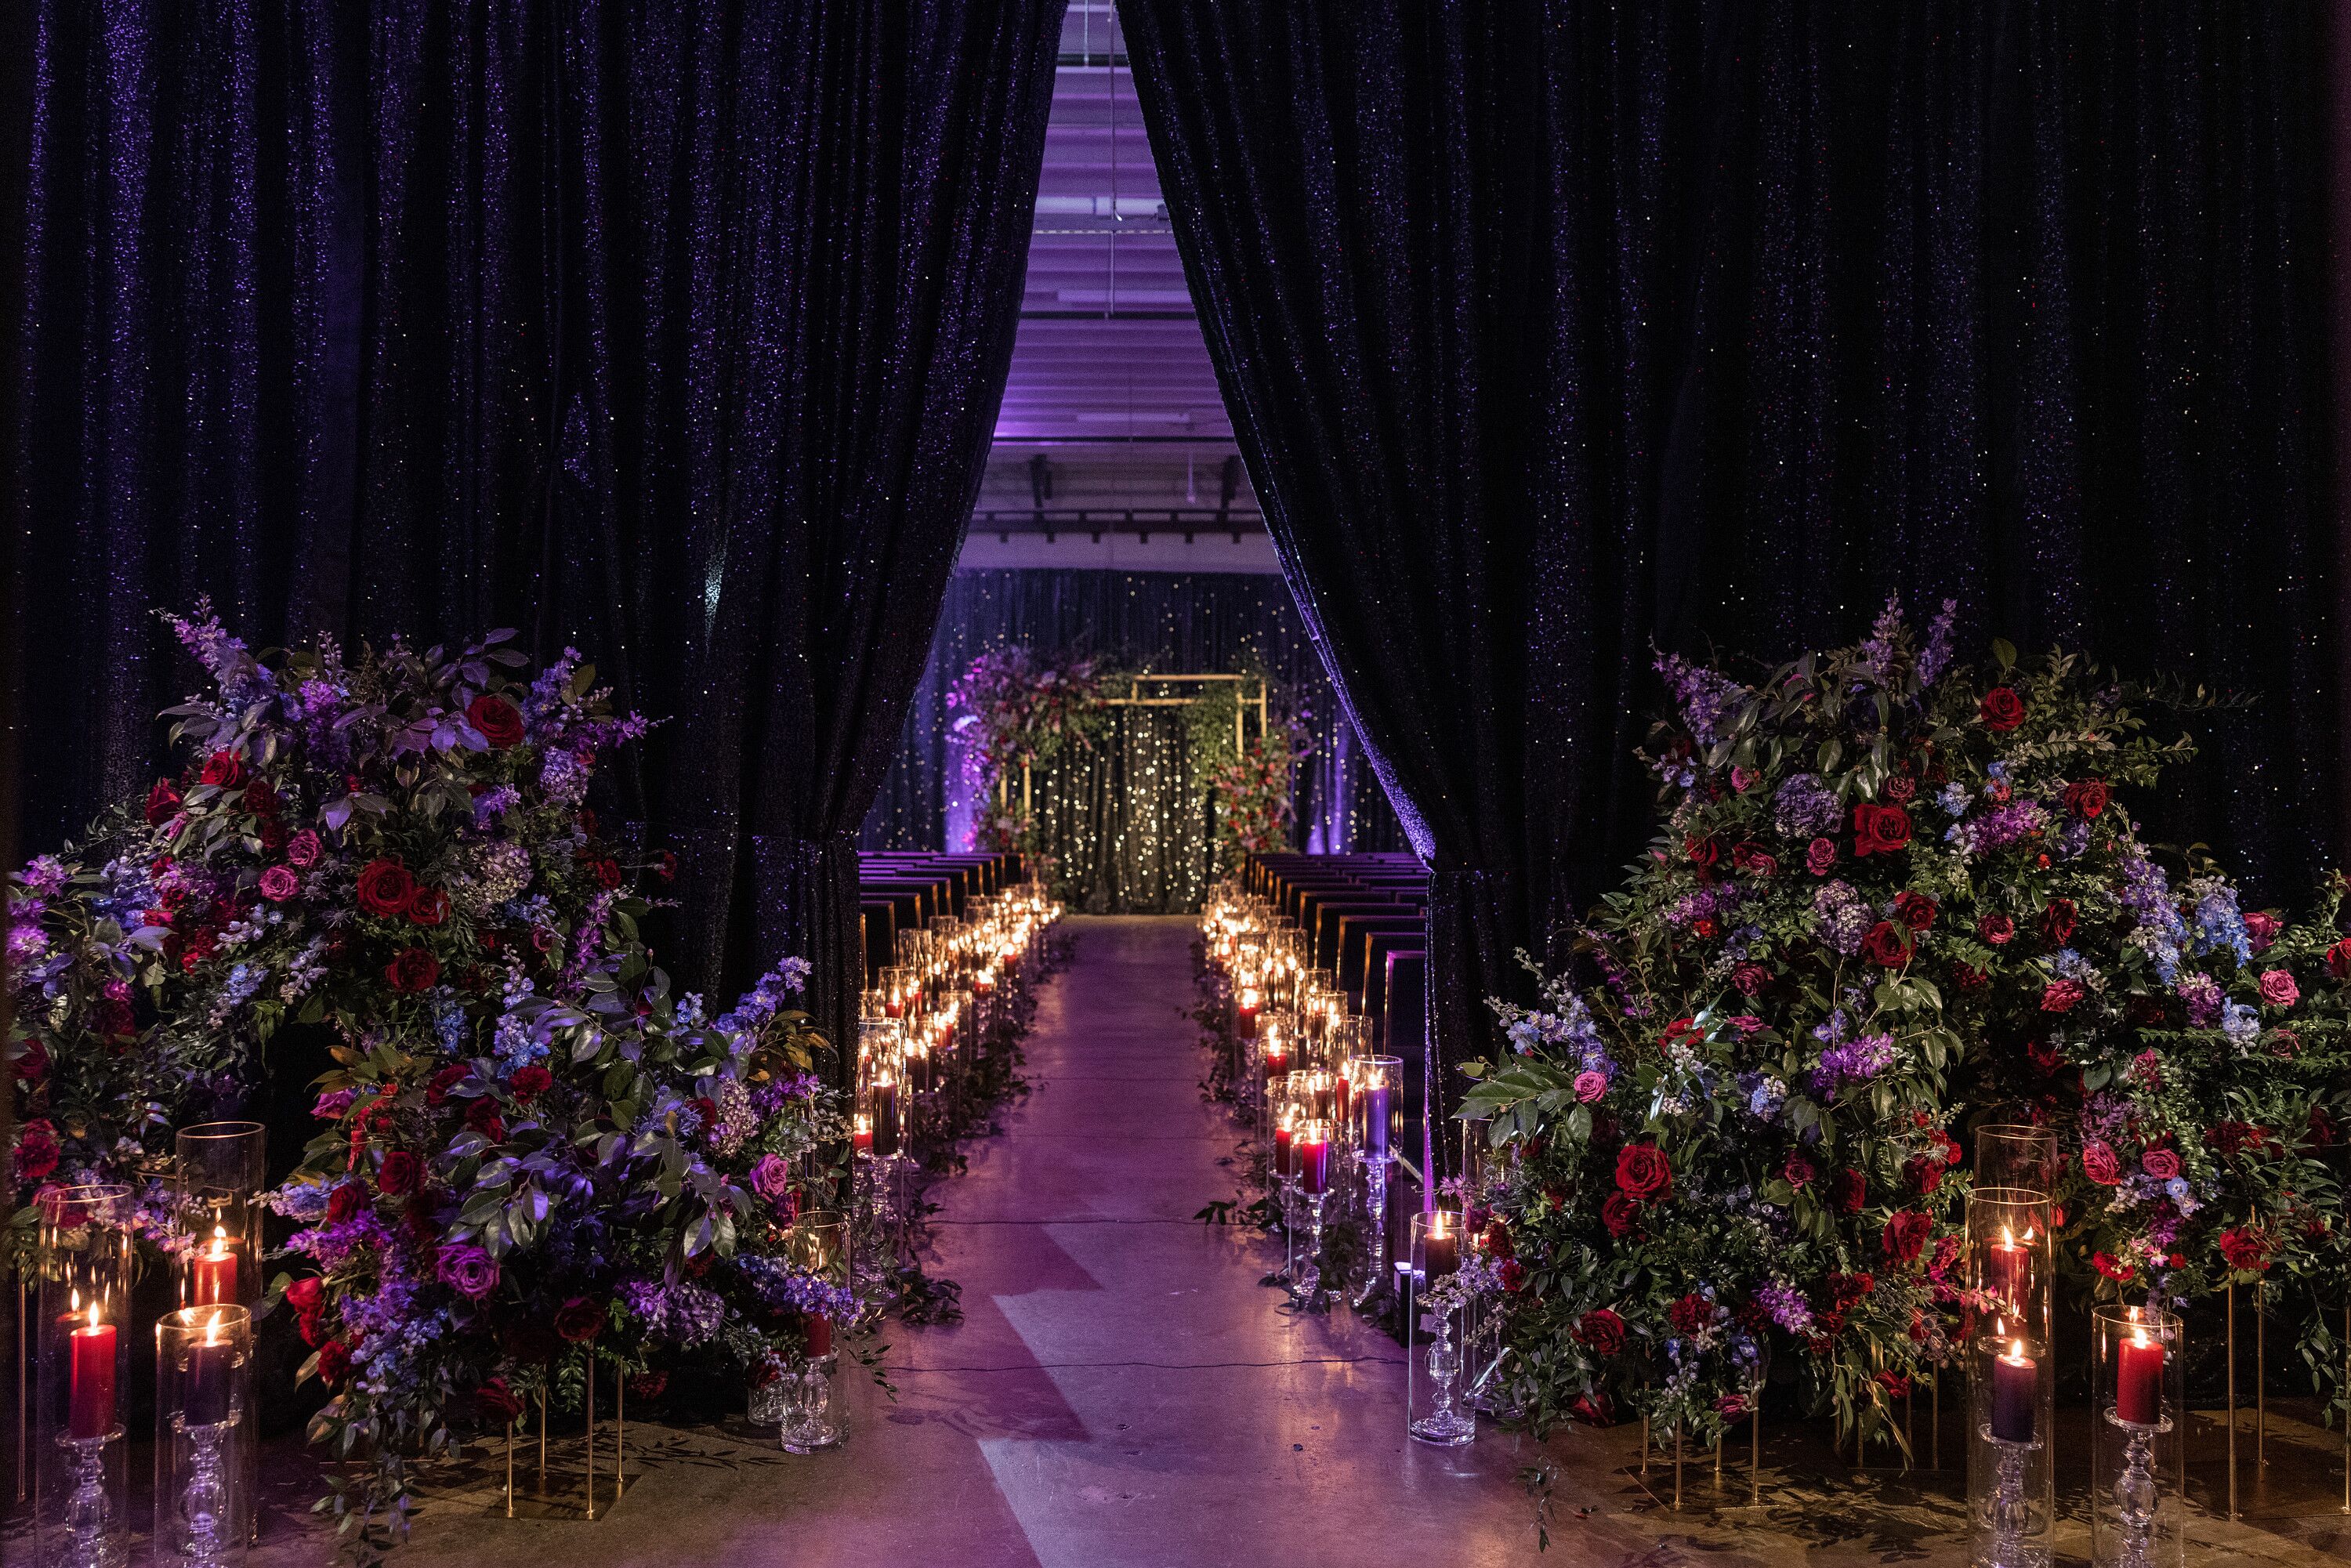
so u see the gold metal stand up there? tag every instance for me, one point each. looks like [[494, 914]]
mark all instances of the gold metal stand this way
[[1644, 1444], [2233, 1399], [24, 1384], [2261, 1383], [1935, 1416], [510, 1447], [542, 1442], [620, 1433], [1678, 1467], [591, 1436], [1755, 1446]]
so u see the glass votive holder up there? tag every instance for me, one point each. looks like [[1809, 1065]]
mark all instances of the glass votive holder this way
[[86, 1256], [894, 986], [219, 1170], [1436, 1408], [2011, 1406], [2137, 1431], [204, 1435], [1374, 1103], [2016, 1154]]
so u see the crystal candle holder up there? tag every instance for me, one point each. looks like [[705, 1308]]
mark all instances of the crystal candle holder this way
[[219, 1171], [2139, 1423], [2011, 1482], [1436, 1409], [204, 1435], [86, 1258], [818, 1243]]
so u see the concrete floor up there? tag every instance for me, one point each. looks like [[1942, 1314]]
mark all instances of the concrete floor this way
[[1123, 1394]]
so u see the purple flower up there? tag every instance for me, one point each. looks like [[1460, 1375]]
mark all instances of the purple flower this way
[[1856, 1060], [1708, 698], [1805, 808], [467, 1269], [2202, 995], [1785, 1304], [333, 1103], [1936, 657]]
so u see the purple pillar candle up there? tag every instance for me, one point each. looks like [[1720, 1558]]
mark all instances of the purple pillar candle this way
[[212, 1362], [1375, 1115], [2014, 1384]]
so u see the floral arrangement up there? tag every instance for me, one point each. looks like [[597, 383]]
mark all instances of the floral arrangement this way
[[1893, 897], [1252, 794], [533, 1157], [1013, 714]]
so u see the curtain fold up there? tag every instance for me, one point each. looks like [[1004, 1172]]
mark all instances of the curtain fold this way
[[676, 333], [1556, 330]]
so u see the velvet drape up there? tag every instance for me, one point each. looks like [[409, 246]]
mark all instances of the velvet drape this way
[[674, 332], [1552, 328]]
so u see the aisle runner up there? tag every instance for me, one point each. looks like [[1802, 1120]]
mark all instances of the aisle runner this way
[[1167, 1411]]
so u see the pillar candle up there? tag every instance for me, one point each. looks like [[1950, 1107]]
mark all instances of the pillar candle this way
[[211, 1363], [1281, 1151], [2007, 1271], [861, 1134], [92, 1413], [2013, 1387], [2138, 1381], [1440, 1248], [819, 1329], [215, 1271], [1375, 1115], [885, 1117], [1312, 1152]]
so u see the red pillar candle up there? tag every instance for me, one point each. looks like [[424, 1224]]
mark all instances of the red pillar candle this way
[[1342, 1093], [1281, 1151], [1312, 1152], [2014, 1389], [92, 1413], [819, 1329], [214, 1268], [2138, 1381], [2007, 1271], [861, 1134], [1440, 1248]]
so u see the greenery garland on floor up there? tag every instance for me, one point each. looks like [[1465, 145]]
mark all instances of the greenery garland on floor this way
[[1893, 897]]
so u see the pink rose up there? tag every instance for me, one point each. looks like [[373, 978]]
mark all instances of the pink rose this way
[[1591, 1087], [302, 849], [1820, 856], [771, 1178], [2098, 1163], [2161, 1163], [2062, 996], [279, 883], [1741, 779], [2278, 989], [2262, 927]]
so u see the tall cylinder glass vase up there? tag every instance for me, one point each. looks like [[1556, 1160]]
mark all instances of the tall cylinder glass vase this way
[[2016, 1154], [204, 1432], [817, 1244], [2139, 1419], [2011, 1480], [85, 1255], [219, 1170]]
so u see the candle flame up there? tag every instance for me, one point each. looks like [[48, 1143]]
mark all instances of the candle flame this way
[[2007, 1236], [93, 1315], [1436, 1225], [2139, 1338], [212, 1329], [2016, 1350], [220, 1240]]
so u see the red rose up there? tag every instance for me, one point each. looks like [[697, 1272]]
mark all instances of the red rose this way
[[1995, 928], [1848, 1191], [1642, 1172], [665, 867], [1681, 1032], [1513, 1275], [1915, 910], [2085, 800], [607, 875], [1750, 858], [1690, 1315], [36, 1151], [400, 1173], [2262, 927], [2098, 1163], [1593, 1408], [2057, 922], [334, 1361], [498, 1400], [1879, 829], [1888, 944], [529, 1082], [448, 1077], [305, 1295], [33, 1061], [649, 1384], [500, 720], [2107, 1264], [412, 970], [1819, 856], [2062, 996], [223, 769], [385, 887], [580, 1319], [2246, 1248], [1750, 978], [428, 906], [161, 802], [1621, 1215], [261, 797], [345, 1202], [2161, 1163], [1600, 1331], [2002, 709], [1699, 851], [1800, 1170], [483, 1116], [2338, 959], [1905, 1236]]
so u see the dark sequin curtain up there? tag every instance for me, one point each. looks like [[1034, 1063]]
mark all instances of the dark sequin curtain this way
[[676, 332], [1173, 622], [1552, 328]]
